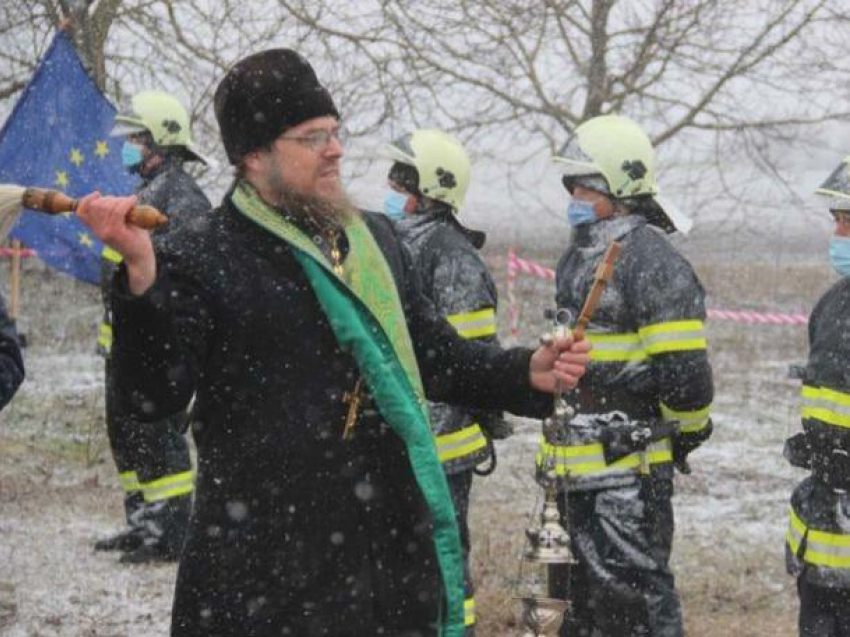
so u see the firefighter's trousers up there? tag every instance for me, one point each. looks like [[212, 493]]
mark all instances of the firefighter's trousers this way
[[824, 612], [459, 487], [152, 458], [622, 585]]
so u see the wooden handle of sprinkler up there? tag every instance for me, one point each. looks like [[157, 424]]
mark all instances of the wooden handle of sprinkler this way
[[54, 202], [604, 272]]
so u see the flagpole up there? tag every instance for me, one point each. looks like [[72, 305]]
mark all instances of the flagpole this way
[[15, 282]]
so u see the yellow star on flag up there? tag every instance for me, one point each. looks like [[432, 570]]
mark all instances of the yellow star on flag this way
[[101, 149], [61, 178], [77, 157], [85, 239]]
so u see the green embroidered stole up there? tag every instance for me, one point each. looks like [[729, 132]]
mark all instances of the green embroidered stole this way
[[366, 316]]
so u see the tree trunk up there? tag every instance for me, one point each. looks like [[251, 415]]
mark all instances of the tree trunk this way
[[597, 70], [90, 30]]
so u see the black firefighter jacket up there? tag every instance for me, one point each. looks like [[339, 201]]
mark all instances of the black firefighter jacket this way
[[295, 531], [173, 192], [649, 358], [818, 537], [458, 284], [11, 362]]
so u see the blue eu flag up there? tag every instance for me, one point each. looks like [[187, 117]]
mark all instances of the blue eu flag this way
[[57, 137]]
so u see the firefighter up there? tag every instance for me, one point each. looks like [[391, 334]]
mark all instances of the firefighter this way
[[428, 182], [644, 402], [818, 539], [153, 463]]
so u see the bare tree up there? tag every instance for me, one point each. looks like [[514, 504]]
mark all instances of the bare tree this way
[[717, 83], [185, 46], [675, 61]]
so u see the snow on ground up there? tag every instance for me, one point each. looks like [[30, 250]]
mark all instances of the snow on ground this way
[[59, 585], [57, 495]]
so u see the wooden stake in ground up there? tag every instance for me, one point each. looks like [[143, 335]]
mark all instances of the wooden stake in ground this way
[[15, 282], [13, 199]]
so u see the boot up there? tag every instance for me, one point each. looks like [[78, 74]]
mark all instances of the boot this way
[[164, 527], [126, 540], [131, 537]]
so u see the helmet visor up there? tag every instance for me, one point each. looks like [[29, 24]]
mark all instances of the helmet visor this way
[[591, 182], [573, 161], [127, 126], [837, 185], [399, 150]]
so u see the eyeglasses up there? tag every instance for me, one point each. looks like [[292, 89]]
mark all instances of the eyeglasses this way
[[319, 139]]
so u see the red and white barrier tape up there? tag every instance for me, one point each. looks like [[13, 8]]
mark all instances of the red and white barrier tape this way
[[758, 318], [516, 265]]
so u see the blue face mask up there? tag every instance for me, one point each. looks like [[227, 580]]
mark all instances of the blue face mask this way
[[394, 204], [580, 212], [839, 255], [131, 155]]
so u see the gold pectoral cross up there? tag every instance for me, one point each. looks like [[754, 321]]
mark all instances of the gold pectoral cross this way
[[353, 398], [336, 254]]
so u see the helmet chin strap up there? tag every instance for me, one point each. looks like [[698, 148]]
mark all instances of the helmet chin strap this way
[[426, 205], [151, 162], [620, 209]]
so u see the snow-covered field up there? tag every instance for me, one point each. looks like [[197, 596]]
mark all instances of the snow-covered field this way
[[58, 490]]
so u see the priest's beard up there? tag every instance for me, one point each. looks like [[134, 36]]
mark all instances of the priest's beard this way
[[310, 212]]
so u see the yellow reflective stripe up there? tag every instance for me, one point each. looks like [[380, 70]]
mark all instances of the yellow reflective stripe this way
[[831, 550], [600, 467], [827, 549], [168, 487], [460, 443], [104, 335], [656, 453], [827, 558], [469, 611], [659, 452], [592, 465], [840, 540], [827, 405], [673, 336], [668, 327], [689, 421], [111, 255], [129, 481], [474, 324], [796, 531], [626, 347], [659, 338], [589, 460]]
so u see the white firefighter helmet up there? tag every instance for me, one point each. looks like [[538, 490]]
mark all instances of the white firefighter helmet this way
[[837, 187], [163, 116], [440, 160], [616, 149]]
